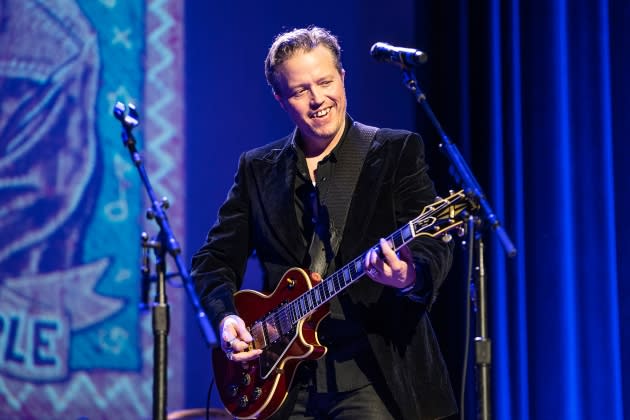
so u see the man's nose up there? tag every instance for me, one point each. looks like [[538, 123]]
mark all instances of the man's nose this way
[[317, 96]]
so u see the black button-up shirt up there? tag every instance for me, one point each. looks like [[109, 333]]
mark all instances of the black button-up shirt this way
[[348, 362]]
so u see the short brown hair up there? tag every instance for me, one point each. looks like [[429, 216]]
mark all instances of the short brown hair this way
[[286, 44]]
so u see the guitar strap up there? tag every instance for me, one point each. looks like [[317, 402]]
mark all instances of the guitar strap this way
[[327, 238]]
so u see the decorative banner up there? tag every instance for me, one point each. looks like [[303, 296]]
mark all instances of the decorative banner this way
[[72, 340]]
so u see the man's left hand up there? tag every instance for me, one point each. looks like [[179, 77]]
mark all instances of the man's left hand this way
[[395, 270]]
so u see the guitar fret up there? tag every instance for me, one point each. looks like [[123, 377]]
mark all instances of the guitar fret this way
[[294, 312], [353, 270], [397, 240], [285, 323], [406, 233]]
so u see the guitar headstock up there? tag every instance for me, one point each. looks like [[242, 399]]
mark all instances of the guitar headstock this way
[[442, 216]]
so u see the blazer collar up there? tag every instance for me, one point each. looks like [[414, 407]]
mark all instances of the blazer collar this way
[[274, 176]]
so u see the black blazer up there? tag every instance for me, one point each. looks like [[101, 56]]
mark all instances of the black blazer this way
[[393, 188]]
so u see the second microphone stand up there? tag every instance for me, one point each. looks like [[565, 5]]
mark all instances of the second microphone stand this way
[[163, 244]]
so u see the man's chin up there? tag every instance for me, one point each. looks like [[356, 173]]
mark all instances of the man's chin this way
[[325, 133]]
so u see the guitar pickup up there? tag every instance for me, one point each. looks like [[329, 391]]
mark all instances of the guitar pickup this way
[[258, 334], [272, 330]]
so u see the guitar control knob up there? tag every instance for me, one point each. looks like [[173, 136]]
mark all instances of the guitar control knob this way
[[233, 390], [257, 393], [243, 401], [247, 379]]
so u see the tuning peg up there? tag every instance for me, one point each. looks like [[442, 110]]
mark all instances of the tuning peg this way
[[447, 237]]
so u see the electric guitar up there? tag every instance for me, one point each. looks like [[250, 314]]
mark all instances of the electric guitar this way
[[284, 323]]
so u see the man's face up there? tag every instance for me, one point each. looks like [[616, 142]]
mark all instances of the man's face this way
[[312, 92]]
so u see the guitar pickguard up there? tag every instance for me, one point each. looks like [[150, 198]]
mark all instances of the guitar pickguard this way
[[275, 351]]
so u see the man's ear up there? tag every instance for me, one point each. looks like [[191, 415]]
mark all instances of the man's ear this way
[[343, 75]]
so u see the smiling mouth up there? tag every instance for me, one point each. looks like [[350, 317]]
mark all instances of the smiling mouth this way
[[321, 113]]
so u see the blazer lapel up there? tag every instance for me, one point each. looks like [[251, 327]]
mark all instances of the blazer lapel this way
[[362, 206], [274, 176]]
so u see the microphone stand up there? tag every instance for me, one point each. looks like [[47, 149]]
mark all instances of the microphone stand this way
[[464, 176], [162, 245]]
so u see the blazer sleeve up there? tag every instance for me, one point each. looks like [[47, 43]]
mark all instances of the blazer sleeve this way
[[414, 190], [219, 265]]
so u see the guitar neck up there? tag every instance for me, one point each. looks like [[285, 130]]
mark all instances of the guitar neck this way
[[340, 280], [436, 220]]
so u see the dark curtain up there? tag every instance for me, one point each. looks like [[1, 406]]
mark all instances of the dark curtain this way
[[536, 95]]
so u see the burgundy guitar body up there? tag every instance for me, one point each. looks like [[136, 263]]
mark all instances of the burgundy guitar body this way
[[256, 389], [284, 324]]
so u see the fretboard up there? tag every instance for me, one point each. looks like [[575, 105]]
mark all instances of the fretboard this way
[[328, 288]]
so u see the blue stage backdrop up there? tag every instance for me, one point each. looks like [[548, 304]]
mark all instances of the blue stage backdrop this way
[[72, 341], [535, 94]]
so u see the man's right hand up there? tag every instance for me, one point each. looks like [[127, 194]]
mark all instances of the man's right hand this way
[[236, 340]]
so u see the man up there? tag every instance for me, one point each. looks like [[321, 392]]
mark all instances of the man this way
[[298, 202]]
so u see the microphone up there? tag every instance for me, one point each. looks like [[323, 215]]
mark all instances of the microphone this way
[[398, 55]]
